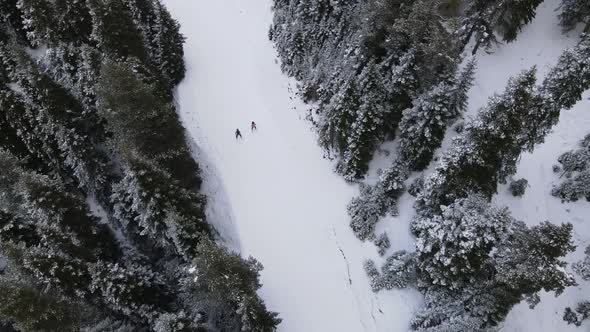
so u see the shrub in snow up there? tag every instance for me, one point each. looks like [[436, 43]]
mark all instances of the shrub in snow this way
[[517, 188], [374, 275], [582, 268], [366, 210], [576, 170], [382, 242], [459, 127], [416, 187], [399, 271], [577, 317]]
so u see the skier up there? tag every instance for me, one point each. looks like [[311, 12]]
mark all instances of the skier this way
[[253, 126], [238, 134]]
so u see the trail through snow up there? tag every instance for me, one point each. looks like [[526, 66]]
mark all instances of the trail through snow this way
[[289, 207]]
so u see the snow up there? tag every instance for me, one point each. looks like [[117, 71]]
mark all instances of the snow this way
[[37, 53], [287, 204]]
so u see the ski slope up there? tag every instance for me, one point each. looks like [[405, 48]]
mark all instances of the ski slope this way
[[287, 205]]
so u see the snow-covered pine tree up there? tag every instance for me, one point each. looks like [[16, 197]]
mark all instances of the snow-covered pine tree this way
[[55, 117], [574, 12], [483, 18], [453, 246], [161, 38], [472, 164], [38, 21], [582, 310], [52, 22], [235, 293], [365, 132], [114, 31], [422, 127], [144, 121], [515, 276], [399, 271], [32, 309], [148, 201], [523, 262], [575, 166]]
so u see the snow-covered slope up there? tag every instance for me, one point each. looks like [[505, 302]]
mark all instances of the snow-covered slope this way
[[289, 208], [540, 44], [275, 194]]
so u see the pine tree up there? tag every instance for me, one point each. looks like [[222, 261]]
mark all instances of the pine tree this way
[[574, 12], [472, 163], [363, 63], [113, 29], [582, 311], [142, 121], [237, 288], [482, 19], [524, 262], [363, 134], [34, 310], [399, 271], [576, 169], [39, 21], [453, 246], [150, 202], [423, 126]]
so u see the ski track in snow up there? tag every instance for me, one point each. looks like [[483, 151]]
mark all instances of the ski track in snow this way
[[288, 206]]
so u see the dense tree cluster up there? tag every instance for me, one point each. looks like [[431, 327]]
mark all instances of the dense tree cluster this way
[[375, 72], [373, 67], [456, 196], [364, 64], [422, 130], [102, 220]]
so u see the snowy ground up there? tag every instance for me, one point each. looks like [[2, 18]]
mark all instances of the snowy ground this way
[[288, 207]]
